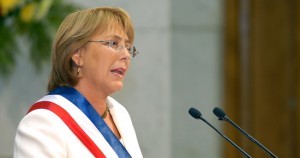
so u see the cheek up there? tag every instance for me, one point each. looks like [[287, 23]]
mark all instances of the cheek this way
[[98, 60], [99, 63], [95, 57]]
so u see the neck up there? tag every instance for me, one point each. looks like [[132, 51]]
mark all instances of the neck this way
[[97, 99]]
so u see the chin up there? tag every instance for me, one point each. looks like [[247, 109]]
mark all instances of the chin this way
[[118, 87]]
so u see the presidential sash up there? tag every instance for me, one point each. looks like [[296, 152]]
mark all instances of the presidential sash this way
[[84, 121]]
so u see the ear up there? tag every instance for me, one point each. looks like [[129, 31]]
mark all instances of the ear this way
[[77, 57]]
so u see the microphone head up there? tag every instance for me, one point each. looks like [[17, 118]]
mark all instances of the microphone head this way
[[195, 113], [219, 113]]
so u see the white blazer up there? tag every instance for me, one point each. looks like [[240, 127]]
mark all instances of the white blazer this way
[[41, 133]]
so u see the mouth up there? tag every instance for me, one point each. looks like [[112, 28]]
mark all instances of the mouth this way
[[120, 72]]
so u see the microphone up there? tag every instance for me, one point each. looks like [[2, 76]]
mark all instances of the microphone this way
[[197, 115], [222, 116]]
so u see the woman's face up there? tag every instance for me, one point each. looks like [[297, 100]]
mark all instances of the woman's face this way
[[103, 68]]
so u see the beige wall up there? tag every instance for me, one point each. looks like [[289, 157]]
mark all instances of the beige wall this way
[[178, 67]]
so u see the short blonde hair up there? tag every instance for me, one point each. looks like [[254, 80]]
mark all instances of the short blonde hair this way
[[74, 32]]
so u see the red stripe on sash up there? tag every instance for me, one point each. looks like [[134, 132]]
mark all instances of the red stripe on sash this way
[[71, 123]]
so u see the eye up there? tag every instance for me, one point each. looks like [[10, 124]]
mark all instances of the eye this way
[[113, 44]]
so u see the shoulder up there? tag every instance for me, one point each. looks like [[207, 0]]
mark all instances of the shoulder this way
[[45, 133], [41, 117], [38, 130]]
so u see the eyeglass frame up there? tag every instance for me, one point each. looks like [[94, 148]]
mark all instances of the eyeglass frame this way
[[132, 50]]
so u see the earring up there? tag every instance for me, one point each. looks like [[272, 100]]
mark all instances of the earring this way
[[78, 70]]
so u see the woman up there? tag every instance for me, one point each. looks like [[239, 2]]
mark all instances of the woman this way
[[90, 57]]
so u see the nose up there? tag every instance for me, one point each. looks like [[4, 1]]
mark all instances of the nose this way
[[124, 50], [124, 54]]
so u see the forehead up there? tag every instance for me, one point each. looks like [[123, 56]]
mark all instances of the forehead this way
[[112, 30]]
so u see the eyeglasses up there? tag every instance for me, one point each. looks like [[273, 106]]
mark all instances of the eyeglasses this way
[[114, 45]]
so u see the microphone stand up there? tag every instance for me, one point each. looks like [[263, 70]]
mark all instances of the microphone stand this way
[[231, 142], [225, 118]]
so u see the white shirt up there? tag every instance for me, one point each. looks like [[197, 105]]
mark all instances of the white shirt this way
[[41, 133]]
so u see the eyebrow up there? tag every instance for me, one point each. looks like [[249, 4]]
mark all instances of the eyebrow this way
[[118, 37]]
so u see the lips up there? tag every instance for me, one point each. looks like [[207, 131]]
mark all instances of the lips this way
[[119, 72]]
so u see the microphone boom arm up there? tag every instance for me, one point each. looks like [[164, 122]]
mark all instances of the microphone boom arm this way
[[225, 118], [231, 142]]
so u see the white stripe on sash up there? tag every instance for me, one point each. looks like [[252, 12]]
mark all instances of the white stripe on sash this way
[[83, 121]]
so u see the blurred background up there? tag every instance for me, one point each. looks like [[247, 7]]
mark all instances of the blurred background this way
[[240, 55]]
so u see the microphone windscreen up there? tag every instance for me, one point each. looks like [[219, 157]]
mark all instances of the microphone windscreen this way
[[219, 112], [195, 113]]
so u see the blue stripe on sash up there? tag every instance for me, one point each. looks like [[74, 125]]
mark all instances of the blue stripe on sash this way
[[79, 100]]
